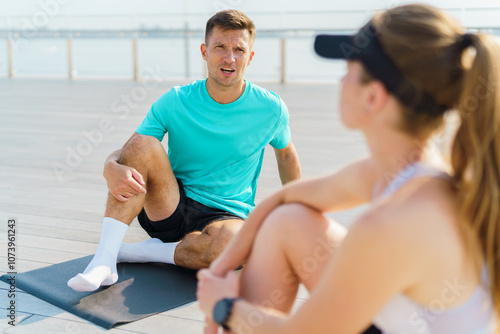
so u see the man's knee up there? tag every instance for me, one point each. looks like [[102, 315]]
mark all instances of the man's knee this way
[[220, 234], [139, 148], [223, 228]]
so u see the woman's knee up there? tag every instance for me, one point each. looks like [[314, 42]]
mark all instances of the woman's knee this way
[[298, 222], [293, 216], [307, 238]]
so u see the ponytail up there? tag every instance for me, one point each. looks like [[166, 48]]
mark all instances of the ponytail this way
[[475, 156]]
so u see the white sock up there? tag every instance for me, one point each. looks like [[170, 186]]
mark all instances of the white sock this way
[[151, 250], [102, 269]]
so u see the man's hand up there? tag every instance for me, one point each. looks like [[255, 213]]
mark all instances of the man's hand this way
[[123, 182]]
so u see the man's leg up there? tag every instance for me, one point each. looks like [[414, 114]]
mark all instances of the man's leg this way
[[148, 157], [198, 249], [294, 245], [195, 251]]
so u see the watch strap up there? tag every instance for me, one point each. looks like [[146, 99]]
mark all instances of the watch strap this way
[[229, 302]]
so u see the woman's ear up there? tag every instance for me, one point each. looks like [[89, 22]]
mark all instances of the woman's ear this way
[[376, 96]]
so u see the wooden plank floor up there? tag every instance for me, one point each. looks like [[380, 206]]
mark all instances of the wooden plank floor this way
[[58, 198]]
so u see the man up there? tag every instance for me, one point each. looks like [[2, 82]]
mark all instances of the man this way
[[193, 200]]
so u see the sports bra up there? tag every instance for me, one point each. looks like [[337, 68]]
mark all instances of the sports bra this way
[[402, 315]]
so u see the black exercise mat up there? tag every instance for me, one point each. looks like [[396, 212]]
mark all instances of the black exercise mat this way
[[143, 289]]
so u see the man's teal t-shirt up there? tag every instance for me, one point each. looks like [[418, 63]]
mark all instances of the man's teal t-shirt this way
[[215, 149]]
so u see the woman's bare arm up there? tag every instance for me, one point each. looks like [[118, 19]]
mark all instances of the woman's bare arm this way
[[369, 268], [348, 187]]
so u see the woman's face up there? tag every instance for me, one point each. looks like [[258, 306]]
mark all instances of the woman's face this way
[[352, 96]]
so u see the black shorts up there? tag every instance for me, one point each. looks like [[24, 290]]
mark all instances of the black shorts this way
[[189, 216]]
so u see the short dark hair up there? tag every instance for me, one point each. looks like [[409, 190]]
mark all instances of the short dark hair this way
[[230, 19]]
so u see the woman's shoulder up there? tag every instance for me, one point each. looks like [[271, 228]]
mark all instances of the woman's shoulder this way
[[421, 203], [427, 190], [422, 216]]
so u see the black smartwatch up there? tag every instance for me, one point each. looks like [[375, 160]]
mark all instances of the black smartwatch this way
[[223, 310]]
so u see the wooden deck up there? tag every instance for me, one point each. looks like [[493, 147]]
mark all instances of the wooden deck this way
[[57, 198]]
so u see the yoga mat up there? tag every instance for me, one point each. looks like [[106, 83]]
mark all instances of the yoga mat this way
[[143, 289]]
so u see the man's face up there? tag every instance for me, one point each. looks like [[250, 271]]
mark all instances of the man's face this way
[[228, 53]]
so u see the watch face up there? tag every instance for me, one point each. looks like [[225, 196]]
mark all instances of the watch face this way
[[221, 310]]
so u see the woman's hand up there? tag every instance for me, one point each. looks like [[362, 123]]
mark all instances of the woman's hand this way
[[212, 288], [210, 327]]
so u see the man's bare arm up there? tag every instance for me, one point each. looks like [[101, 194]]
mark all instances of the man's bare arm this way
[[123, 181], [115, 156], [288, 163]]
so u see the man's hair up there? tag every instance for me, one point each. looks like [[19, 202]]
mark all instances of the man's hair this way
[[230, 19]]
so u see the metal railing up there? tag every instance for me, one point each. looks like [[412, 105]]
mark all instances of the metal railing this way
[[134, 36], [187, 28]]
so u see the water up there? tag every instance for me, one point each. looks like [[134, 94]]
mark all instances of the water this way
[[165, 58]]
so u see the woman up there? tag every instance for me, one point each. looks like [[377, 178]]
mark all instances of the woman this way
[[420, 259]]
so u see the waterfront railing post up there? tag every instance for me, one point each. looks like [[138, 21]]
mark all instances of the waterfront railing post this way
[[135, 59], [283, 60], [10, 59], [186, 48], [71, 72]]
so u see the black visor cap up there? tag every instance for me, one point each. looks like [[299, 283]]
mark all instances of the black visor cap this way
[[365, 47], [334, 46]]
